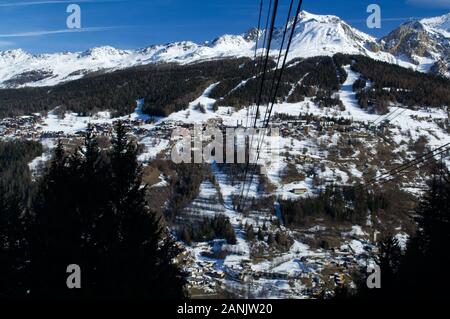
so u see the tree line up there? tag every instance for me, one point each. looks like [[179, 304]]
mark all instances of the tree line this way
[[166, 88], [339, 203], [318, 76], [394, 84], [218, 227]]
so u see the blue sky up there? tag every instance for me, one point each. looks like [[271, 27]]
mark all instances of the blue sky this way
[[39, 26]]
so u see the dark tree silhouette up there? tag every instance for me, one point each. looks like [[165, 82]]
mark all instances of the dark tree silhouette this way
[[417, 273], [90, 209]]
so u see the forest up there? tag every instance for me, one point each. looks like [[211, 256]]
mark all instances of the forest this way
[[417, 271], [393, 84], [166, 88], [169, 88], [313, 73], [342, 204], [211, 228], [15, 176], [88, 209]]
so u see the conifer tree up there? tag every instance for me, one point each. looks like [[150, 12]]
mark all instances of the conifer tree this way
[[55, 235], [428, 251], [15, 189], [413, 274], [141, 251], [91, 211], [12, 247]]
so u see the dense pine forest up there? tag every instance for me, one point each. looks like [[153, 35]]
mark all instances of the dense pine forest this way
[[15, 193], [15, 176], [394, 84], [344, 203], [169, 88], [166, 88], [313, 73]]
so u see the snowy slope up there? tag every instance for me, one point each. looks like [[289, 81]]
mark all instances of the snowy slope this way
[[314, 35], [326, 35], [424, 42], [438, 25]]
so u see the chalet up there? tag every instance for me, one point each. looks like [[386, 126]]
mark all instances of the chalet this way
[[360, 134], [299, 191]]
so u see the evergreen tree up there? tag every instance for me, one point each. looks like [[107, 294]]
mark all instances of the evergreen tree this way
[[249, 233], [143, 251], [390, 258], [428, 252], [55, 235], [15, 189], [91, 211], [260, 234], [12, 248], [270, 239], [415, 274]]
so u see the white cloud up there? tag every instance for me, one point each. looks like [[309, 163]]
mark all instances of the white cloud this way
[[430, 3], [49, 32], [6, 44], [395, 19], [33, 3]]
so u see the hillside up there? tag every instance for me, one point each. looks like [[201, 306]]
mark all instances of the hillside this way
[[424, 42], [169, 88]]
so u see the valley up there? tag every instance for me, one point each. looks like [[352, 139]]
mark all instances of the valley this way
[[276, 250], [308, 218]]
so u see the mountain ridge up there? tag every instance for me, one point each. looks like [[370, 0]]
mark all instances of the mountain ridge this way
[[424, 42], [315, 35]]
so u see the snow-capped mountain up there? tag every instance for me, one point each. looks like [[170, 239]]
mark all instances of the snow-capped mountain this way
[[314, 35], [326, 35], [424, 42]]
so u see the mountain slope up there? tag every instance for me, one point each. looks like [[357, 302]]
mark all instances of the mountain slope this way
[[315, 35], [325, 35], [425, 43]]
